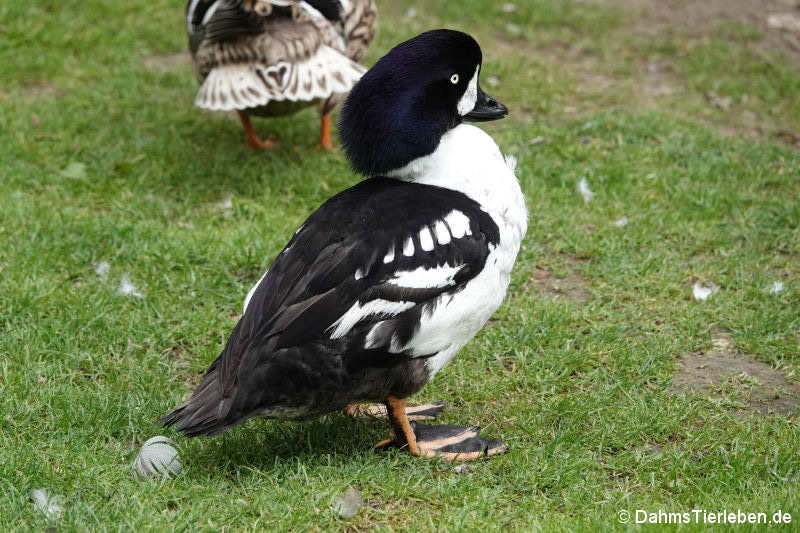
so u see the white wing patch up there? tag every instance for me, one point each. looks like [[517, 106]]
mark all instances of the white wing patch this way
[[408, 247], [458, 223], [426, 278], [470, 97], [245, 85], [442, 233], [425, 239], [389, 257], [358, 312]]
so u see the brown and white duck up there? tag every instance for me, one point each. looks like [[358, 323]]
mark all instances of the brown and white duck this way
[[386, 281], [274, 57]]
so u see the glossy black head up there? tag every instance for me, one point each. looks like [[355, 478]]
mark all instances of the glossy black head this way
[[402, 106]]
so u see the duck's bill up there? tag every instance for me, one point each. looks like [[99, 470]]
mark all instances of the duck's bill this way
[[486, 109]]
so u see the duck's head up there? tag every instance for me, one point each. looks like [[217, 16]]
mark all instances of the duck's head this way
[[402, 106]]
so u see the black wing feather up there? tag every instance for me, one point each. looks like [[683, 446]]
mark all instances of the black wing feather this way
[[311, 284]]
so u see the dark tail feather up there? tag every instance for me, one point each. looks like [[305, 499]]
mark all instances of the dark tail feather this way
[[203, 413]]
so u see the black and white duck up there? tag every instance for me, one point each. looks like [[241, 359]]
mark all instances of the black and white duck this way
[[386, 281], [275, 57]]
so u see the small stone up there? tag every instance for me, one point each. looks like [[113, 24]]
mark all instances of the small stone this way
[[348, 503]]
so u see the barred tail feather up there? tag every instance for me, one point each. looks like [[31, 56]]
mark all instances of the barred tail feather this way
[[247, 85]]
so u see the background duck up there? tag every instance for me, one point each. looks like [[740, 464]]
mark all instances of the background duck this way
[[385, 283], [275, 57]]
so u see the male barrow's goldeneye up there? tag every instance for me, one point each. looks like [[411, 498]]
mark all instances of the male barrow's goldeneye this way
[[388, 280]]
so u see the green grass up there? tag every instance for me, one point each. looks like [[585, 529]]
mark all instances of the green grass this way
[[579, 389]]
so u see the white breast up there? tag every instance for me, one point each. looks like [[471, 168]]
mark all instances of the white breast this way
[[469, 161]]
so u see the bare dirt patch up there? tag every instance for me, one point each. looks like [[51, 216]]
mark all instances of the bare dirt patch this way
[[723, 373], [571, 286], [775, 18], [169, 62]]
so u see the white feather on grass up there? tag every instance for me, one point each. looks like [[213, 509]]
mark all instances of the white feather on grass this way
[[127, 288], [101, 269], [52, 506], [586, 192], [776, 287], [621, 222], [158, 457], [702, 292]]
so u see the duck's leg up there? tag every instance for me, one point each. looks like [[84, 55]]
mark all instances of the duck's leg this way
[[453, 443], [325, 142], [252, 138], [428, 411]]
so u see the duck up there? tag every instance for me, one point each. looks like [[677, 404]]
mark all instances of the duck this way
[[388, 280], [271, 58]]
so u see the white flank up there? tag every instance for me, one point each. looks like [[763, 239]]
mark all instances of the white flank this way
[[389, 257], [468, 160], [470, 97], [425, 239], [442, 234], [586, 192], [251, 292], [358, 312], [247, 85], [408, 247], [426, 278], [458, 223]]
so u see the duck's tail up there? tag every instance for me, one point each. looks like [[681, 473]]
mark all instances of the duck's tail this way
[[203, 413]]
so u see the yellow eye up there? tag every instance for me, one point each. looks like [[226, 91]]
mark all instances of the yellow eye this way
[[454, 79]]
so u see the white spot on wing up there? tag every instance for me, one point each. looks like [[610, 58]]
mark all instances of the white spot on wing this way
[[389, 257], [408, 247], [458, 223], [425, 239], [251, 292], [359, 274], [190, 15], [470, 97], [442, 233], [358, 312], [425, 278]]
